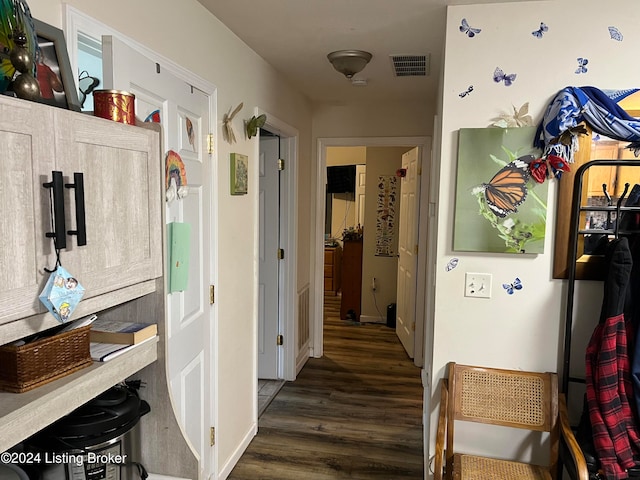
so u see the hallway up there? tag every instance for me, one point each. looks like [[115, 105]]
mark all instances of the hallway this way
[[355, 413]]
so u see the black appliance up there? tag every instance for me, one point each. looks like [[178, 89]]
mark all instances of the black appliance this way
[[97, 441]]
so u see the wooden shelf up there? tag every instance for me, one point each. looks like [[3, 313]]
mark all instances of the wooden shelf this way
[[23, 414]]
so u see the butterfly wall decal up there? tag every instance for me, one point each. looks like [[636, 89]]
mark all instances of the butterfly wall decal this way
[[499, 76], [466, 92], [519, 118], [615, 34], [86, 85], [582, 62], [227, 127], [566, 137], [190, 131], [512, 287], [153, 117], [538, 33], [451, 264], [470, 31], [543, 168], [508, 188], [254, 124]]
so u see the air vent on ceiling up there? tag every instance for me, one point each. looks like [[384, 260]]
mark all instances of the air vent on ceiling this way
[[410, 65]]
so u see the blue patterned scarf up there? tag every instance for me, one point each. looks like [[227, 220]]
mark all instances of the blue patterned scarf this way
[[557, 133]]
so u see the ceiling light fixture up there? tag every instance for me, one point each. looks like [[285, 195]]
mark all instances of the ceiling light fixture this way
[[349, 62]]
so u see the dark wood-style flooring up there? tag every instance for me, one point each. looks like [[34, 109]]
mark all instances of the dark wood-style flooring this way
[[354, 413]]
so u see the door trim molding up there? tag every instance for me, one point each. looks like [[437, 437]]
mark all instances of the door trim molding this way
[[288, 235], [317, 238], [75, 21]]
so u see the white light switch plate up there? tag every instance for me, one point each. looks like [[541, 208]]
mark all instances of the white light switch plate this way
[[477, 285]]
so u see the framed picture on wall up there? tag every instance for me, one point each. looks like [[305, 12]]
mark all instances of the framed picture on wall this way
[[53, 69], [239, 174], [498, 208]]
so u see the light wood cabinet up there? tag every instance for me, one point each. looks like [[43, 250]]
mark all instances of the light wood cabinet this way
[[121, 265], [614, 176], [332, 269], [122, 199], [602, 174]]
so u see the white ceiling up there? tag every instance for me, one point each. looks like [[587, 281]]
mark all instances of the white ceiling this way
[[295, 36]]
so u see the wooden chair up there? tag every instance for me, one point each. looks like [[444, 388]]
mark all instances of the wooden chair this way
[[509, 398]]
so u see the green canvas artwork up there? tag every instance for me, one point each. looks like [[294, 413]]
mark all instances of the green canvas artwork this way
[[498, 207]]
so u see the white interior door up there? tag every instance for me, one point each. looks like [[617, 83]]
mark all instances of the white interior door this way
[[184, 117], [407, 249], [361, 181], [269, 266]]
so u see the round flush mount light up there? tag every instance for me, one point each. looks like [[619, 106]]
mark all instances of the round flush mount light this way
[[349, 62]]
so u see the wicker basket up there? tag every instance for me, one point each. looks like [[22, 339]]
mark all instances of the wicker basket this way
[[28, 366]]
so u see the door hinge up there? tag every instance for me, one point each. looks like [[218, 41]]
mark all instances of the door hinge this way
[[210, 143], [212, 294], [420, 170], [416, 249], [280, 340], [280, 164], [413, 326], [212, 436], [281, 254]]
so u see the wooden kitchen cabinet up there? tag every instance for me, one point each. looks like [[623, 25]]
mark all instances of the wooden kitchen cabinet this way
[[332, 269], [122, 175]]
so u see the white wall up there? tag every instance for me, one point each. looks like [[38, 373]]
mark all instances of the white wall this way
[[190, 36], [524, 330], [380, 161]]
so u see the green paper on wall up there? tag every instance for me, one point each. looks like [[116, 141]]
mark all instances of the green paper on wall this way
[[179, 240]]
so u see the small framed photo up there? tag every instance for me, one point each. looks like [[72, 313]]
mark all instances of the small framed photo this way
[[239, 174], [53, 69]]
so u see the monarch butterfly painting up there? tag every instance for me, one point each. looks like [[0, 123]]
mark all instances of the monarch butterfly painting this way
[[508, 188], [498, 207]]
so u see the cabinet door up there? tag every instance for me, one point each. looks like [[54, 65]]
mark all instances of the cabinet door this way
[[122, 197], [27, 162], [603, 150]]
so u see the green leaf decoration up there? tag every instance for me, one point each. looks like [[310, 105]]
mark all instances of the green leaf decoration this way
[[254, 124]]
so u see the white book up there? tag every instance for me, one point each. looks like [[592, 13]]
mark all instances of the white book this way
[[103, 352]]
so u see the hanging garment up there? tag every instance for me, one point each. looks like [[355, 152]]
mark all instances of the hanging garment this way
[[608, 372], [598, 108]]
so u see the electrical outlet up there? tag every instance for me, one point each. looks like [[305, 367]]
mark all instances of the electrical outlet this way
[[374, 285], [477, 285]]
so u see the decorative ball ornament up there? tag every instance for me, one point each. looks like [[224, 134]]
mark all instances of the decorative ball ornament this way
[[26, 87], [17, 29], [20, 57], [25, 84]]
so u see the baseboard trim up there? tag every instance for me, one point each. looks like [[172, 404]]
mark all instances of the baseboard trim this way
[[225, 471], [372, 319]]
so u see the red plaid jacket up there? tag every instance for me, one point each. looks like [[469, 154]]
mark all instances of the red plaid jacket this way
[[610, 396]]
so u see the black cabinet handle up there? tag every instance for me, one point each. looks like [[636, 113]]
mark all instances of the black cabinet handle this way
[[58, 234], [81, 225]]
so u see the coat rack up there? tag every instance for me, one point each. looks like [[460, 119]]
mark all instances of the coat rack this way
[[575, 231]]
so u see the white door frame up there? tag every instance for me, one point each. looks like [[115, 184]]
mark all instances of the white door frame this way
[[288, 241], [76, 21], [317, 239]]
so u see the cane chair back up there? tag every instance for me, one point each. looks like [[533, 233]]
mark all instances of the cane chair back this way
[[509, 398]]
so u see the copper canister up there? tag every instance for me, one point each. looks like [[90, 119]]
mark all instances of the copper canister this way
[[115, 105]]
